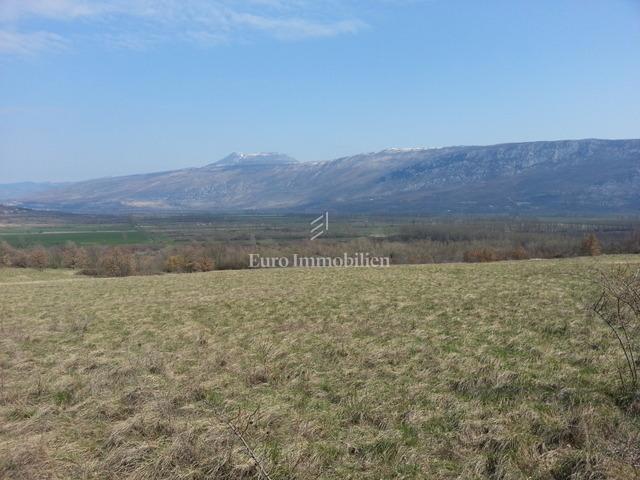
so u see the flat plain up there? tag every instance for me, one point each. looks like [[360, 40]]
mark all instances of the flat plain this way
[[438, 371]]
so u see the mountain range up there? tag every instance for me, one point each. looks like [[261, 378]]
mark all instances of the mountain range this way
[[550, 177]]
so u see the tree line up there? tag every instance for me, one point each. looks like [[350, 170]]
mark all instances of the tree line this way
[[122, 261]]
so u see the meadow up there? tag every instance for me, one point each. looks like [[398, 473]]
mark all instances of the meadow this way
[[47, 237], [492, 370]]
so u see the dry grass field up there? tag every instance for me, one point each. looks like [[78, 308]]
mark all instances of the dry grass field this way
[[441, 371]]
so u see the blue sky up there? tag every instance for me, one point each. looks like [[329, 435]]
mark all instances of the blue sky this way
[[111, 87]]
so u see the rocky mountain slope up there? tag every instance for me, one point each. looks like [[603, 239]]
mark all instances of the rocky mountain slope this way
[[558, 177]]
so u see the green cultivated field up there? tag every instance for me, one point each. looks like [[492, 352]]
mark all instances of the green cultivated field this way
[[439, 371], [81, 235]]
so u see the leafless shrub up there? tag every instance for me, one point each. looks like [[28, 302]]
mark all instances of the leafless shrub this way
[[519, 253], [116, 262], [591, 246], [38, 258], [486, 254], [74, 257], [619, 307], [6, 253], [240, 432], [189, 260], [174, 264]]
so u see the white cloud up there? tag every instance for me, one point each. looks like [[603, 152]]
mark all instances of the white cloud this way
[[16, 43], [140, 24], [12, 10], [295, 28]]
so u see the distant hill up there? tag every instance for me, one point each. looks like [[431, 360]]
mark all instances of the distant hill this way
[[12, 215], [14, 191], [556, 177]]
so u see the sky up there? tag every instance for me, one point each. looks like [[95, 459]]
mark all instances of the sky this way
[[93, 88]]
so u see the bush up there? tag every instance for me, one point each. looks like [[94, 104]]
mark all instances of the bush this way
[[486, 254], [74, 257], [20, 259], [174, 264], [205, 264], [116, 262], [619, 307], [520, 253], [591, 246], [6, 254], [38, 258], [189, 260]]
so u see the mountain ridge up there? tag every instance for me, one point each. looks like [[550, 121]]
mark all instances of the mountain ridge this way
[[551, 177], [261, 158]]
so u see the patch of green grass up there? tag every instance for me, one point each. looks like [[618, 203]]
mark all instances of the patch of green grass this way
[[48, 237], [63, 397]]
